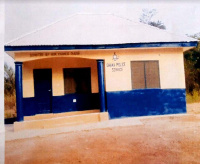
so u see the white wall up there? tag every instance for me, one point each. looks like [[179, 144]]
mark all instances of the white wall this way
[[2, 134], [1, 67]]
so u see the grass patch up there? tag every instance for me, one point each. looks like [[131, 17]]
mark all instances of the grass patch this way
[[10, 106], [194, 97]]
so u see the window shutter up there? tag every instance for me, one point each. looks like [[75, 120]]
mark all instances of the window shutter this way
[[138, 77], [69, 82], [152, 74]]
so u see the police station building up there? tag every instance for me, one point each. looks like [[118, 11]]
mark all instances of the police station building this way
[[94, 67]]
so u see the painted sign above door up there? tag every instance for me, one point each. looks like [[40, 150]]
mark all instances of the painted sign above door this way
[[38, 54]]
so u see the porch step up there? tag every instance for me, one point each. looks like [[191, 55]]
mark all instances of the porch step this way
[[54, 115], [63, 121]]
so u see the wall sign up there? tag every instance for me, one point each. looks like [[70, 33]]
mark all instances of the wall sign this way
[[116, 66], [37, 54]]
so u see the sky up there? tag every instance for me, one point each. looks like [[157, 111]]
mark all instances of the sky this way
[[24, 16]]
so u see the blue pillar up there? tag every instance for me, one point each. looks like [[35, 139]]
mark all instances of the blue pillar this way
[[18, 88], [100, 67]]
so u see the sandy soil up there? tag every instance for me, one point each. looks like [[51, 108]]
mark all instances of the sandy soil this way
[[193, 108], [160, 140]]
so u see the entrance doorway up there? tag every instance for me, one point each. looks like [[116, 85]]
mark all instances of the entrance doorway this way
[[43, 90], [77, 80]]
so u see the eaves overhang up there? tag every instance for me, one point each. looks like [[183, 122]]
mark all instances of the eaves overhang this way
[[103, 46]]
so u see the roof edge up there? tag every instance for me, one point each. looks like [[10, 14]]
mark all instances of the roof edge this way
[[103, 46]]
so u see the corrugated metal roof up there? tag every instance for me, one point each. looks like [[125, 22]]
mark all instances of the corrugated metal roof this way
[[96, 29]]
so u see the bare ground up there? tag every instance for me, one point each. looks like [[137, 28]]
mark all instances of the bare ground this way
[[193, 108], [160, 140]]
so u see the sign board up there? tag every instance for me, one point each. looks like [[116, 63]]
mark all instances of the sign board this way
[[38, 54]]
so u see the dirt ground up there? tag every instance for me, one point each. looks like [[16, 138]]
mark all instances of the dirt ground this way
[[159, 140], [193, 108]]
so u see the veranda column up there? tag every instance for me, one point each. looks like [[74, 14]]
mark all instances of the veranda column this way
[[19, 94], [100, 67]]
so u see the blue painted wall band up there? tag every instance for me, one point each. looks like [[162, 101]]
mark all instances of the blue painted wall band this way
[[144, 102], [138, 102], [86, 101], [19, 91], [103, 46], [100, 67]]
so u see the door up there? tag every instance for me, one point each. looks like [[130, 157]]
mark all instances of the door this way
[[43, 90]]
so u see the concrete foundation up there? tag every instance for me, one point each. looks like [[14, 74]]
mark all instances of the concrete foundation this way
[[43, 122]]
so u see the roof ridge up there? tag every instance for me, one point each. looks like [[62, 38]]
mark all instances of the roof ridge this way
[[41, 28]]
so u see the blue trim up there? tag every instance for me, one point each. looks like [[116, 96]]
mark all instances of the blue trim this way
[[64, 103], [103, 46], [83, 102], [30, 106], [19, 91], [100, 67], [144, 102]]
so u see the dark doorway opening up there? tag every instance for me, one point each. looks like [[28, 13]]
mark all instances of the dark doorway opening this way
[[77, 80]]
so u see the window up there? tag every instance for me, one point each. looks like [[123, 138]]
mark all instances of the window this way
[[145, 74], [77, 80]]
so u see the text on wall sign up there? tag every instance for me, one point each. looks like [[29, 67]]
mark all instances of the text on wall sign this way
[[38, 54], [116, 66]]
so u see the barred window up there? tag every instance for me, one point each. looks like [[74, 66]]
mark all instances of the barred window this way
[[77, 80], [145, 74]]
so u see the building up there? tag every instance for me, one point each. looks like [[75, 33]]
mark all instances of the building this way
[[100, 61]]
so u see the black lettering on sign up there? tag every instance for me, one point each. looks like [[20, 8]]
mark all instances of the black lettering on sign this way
[[36, 54], [110, 64], [75, 53], [33, 55], [117, 69], [53, 54], [116, 66]]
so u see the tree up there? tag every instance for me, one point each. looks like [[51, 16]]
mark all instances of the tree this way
[[147, 16], [196, 36], [158, 24], [192, 69], [9, 80]]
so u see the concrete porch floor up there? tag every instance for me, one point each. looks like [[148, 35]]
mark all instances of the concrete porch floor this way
[[55, 120], [11, 135]]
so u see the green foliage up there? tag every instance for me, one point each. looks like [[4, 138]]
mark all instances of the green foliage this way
[[192, 69], [10, 105], [9, 92], [194, 97], [9, 80]]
